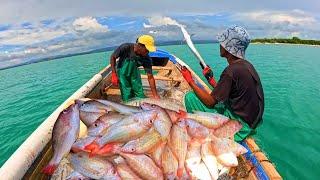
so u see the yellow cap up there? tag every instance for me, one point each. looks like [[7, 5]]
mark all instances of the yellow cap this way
[[147, 41]]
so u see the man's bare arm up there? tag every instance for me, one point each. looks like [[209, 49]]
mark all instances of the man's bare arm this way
[[152, 84], [113, 63], [203, 95]]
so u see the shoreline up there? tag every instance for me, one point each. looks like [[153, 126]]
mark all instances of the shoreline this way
[[113, 47], [313, 45]]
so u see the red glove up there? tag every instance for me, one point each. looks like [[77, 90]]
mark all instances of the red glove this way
[[186, 74], [207, 72], [114, 79]]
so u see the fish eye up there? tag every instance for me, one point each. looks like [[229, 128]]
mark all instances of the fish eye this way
[[151, 121], [95, 124], [133, 149]]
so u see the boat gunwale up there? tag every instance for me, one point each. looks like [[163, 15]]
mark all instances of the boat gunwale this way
[[23, 158]]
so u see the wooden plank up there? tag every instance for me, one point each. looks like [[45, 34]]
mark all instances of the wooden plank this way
[[113, 92], [161, 78], [159, 68]]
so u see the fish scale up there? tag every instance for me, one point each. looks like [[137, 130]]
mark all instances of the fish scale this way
[[128, 131], [93, 167], [178, 144], [144, 143], [169, 164], [143, 166], [163, 123]]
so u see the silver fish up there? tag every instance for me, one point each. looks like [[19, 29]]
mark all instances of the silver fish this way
[[163, 123], [125, 172], [91, 110], [225, 151], [101, 125], [93, 106], [209, 120], [164, 103], [156, 153], [178, 144], [121, 108], [126, 132], [88, 118], [64, 134], [196, 130], [80, 144], [193, 157], [77, 176], [143, 166], [93, 167], [209, 160]]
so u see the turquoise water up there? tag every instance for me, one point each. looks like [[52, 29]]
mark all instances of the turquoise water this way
[[290, 76]]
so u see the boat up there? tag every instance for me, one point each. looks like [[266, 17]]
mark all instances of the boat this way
[[35, 152]]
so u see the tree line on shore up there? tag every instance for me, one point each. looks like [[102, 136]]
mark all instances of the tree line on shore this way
[[293, 40]]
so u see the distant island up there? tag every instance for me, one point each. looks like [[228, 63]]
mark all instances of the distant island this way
[[293, 40]]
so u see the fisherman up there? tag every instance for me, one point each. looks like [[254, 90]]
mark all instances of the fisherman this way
[[131, 56], [238, 94]]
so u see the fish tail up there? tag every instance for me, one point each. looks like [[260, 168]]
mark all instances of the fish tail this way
[[49, 169]]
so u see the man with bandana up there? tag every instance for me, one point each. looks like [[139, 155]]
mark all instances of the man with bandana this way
[[238, 94]]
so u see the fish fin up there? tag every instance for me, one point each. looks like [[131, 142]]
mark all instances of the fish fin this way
[[108, 148], [182, 114], [180, 172], [94, 146], [75, 149], [92, 154], [49, 169]]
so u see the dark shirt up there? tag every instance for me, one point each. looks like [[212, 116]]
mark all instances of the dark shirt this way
[[125, 52], [240, 89]]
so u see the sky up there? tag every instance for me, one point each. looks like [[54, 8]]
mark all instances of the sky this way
[[35, 29]]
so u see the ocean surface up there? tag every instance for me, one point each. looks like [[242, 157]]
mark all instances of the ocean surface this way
[[290, 133]]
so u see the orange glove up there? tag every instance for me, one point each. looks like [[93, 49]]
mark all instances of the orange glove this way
[[186, 74], [114, 79]]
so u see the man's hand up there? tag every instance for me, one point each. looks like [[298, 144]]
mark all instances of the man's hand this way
[[114, 79], [156, 96], [208, 74], [186, 74]]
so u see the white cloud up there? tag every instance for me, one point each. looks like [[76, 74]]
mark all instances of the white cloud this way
[[279, 23], [29, 36], [155, 21], [88, 24], [295, 17]]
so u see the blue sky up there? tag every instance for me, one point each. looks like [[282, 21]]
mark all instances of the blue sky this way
[[33, 29]]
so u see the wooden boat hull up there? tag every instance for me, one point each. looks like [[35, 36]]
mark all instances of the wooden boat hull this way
[[34, 153]]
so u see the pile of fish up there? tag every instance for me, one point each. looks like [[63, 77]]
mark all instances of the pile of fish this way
[[148, 141]]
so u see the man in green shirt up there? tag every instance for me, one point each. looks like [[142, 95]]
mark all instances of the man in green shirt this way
[[126, 72]]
